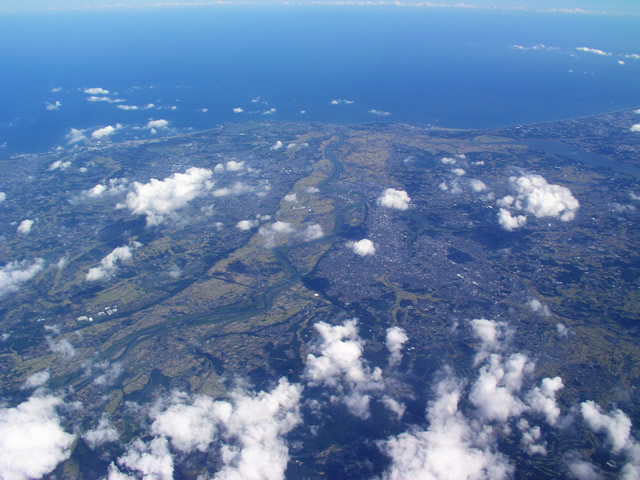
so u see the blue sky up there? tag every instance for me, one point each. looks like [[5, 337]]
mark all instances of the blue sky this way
[[609, 6]]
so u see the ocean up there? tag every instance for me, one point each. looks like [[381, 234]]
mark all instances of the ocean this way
[[456, 68]]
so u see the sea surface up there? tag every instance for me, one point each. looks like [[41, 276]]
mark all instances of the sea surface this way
[[454, 68]]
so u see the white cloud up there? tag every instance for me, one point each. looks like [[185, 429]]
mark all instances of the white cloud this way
[[96, 91], [543, 399], [274, 231], [336, 362], [135, 107], [635, 128], [477, 185], [249, 430], [379, 113], [56, 90], [594, 51], [394, 406], [277, 146], [562, 330], [104, 432], [392, 198], [291, 197], [312, 232], [363, 248], [32, 442], [97, 99], [494, 392], [157, 124], [37, 379], [582, 470], [282, 227], [236, 189], [234, 166], [491, 335], [111, 373], [510, 222], [53, 106], [634, 56], [25, 226], [75, 136], [448, 160], [62, 347], [531, 438], [238, 110], [14, 274], [340, 101], [59, 164], [105, 131], [109, 264], [616, 424], [542, 199], [536, 306], [396, 338], [246, 224], [152, 460], [3, 197], [451, 448], [271, 111], [458, 171], [159, 199]]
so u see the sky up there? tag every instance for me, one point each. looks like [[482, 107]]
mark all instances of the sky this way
[[583, 6]]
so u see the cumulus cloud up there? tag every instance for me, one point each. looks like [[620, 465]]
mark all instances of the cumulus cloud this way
[[236, 189], [37, 379], [340, 101], [75, 136], [155, 125], [451, 448], [379, 113], [277, 146], [3, 197], [238, 110], [291, 197], [14, 274], [105, 432], [536, 306], [542, 199], [159, 199], [491, 334], [230, 166], [448, 160], [271, 111], [59, 164], [62, 347], [458, 171], [635, 127], [542, 399], [510, 222], [32, 442], [114, 187], [25, 226], [595, 51], [135, 107], [477, 185], [616, 425], [363, 248], [153, 460], [396, 338], [336, 362], [494, 392], [96, 91], [109, 264], [312, 232], [103, 132], [53, 106], [249, 429], [562, 330], [245, 225], [273, 232], [392, 198]]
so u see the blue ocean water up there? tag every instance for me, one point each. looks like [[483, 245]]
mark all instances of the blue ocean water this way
[[451, 68]]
